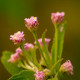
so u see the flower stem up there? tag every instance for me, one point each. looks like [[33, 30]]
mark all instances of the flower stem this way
[[56, 42], [27, 56], [54, 66], [45, 49], [34, 57], [25, 66], [54, 50], [35, 36]]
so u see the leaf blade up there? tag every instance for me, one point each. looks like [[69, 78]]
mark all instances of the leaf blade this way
[[10, 67], [59, 39], [23, 75]]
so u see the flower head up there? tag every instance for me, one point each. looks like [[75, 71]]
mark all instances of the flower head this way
[[28, 46], [47, 40], [57, 17], [40, 75], [14, 57], [19, 51], [31, 23], [17, 37], [67, 67]]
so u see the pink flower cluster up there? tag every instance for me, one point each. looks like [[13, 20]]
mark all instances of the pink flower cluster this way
[[28, 46], [67, 67], [17, 37], [31, 23], [19, 51], [47, 40], [40, 75], [57, 17], [16, 56]]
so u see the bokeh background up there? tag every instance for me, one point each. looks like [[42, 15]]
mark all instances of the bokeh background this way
[[13, 12]]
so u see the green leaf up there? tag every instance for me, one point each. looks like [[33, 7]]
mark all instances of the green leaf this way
[[12, 68], [57, 46], [23, 75]]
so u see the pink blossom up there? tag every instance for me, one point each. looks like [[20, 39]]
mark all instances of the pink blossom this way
[[14, 57], [17, 37], [67, 67], [47, 40], [19, 51], [40, 75], [31, 23], [57, 17], [28, 46]]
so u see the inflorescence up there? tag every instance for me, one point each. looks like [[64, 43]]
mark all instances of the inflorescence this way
[[27, 51]]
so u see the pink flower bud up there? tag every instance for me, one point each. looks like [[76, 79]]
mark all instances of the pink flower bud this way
[[14, 58], [47, 40], [57, 17], [40, 75], [28, 46], [31, 23], [67, 67], [17, 37], [19, 51]]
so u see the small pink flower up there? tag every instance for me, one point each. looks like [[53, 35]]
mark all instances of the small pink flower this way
[[31, 23], [17, 37], [67, 67], [19, 51], [57, 17], [14, 57], [47, 40], [28, 46], [40, 75]]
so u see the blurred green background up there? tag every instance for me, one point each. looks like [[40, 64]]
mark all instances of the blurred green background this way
[[13, 12]]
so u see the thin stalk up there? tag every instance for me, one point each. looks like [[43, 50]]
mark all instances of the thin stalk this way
[[34, 57], [54, 46], [27, 56], [29, 67], [56, 42], [45, 48], [53, 67], [25, 66], [35, 36]]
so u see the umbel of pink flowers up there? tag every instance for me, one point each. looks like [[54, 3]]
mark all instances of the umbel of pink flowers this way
[[18, 38], [47, 40], [31, 23], [57, 17], [40, 75], [16, 56]]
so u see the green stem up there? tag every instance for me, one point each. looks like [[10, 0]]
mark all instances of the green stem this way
[[45, 49], [54, 66], [34, 57], [29, 67], [27, 56], [25, 66], [56, 42], [35, 36], [55, 46]]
